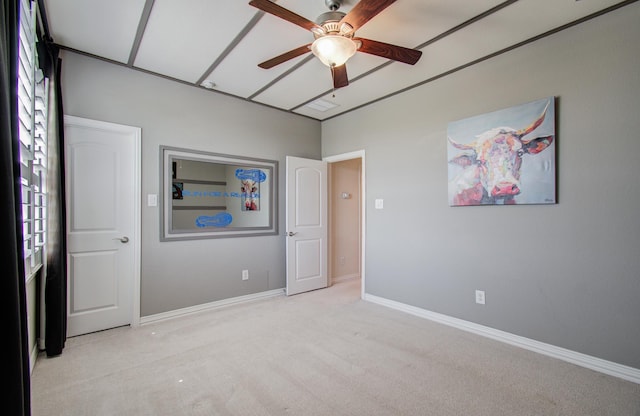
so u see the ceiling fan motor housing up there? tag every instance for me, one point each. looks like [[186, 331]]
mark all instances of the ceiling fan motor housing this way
[[330, 24]]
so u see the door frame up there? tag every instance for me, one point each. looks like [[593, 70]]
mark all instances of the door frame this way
[[357, 154], [137, 180]]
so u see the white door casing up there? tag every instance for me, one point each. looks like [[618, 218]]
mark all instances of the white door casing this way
[[306, 225], [102, 173], [358, 154]]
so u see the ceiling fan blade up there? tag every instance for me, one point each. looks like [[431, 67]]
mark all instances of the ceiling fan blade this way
[[339, 74], [285, 56], [279, 11], [385, 50], [364, 11]]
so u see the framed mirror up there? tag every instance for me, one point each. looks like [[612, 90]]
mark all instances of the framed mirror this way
[[209, 195]]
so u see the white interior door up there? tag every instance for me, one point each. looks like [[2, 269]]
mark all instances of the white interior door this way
[[306, 218], [102, 185]]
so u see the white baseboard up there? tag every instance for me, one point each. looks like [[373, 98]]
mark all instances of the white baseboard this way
[[603, 366], [144, 320], [346, 277]]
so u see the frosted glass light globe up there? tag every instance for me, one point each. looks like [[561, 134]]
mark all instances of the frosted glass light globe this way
[[333, 50]]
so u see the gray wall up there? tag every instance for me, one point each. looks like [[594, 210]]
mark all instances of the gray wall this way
[[180, 274], [566, 274]]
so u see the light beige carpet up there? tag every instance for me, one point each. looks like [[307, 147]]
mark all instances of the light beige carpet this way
[[321, 353]]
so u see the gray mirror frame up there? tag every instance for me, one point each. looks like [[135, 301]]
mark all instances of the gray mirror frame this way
[[168, 154]]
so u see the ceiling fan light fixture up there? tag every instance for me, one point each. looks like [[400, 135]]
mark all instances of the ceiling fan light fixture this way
[[334, 50]]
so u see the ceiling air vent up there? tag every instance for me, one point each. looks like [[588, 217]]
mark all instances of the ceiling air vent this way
[[321, 105]]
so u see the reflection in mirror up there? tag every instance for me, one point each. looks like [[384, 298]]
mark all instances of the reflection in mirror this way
[[209, 195]]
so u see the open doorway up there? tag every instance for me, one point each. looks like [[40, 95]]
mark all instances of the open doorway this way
[[346, 214]]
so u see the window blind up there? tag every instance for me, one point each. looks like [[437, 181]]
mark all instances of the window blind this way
[[32, 112]]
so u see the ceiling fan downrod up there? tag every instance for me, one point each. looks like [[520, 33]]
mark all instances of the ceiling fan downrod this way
[[333, 5]]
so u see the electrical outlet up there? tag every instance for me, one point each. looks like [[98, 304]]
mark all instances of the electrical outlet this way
[[480, 297], [245, 275]]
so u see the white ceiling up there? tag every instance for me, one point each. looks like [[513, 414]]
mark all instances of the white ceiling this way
[[195, 41]]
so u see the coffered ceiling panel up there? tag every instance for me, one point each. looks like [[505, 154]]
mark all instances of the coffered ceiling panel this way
[[103, 28], [218, 45], [193, 31]]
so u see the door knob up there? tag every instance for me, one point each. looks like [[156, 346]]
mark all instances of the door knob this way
[[123, 240], [291, 233]]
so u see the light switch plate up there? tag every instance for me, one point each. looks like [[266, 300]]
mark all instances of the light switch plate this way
[[152, 200], [379, 203]]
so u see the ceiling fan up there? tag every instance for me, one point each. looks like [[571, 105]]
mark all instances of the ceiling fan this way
[[334, 33]]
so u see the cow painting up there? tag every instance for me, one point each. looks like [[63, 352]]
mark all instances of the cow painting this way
[[504, 165]]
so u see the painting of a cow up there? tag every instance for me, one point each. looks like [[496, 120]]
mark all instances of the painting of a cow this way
[[490, 164]]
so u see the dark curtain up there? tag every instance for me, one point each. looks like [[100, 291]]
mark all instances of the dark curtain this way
[[17, 392], [55, 296]]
